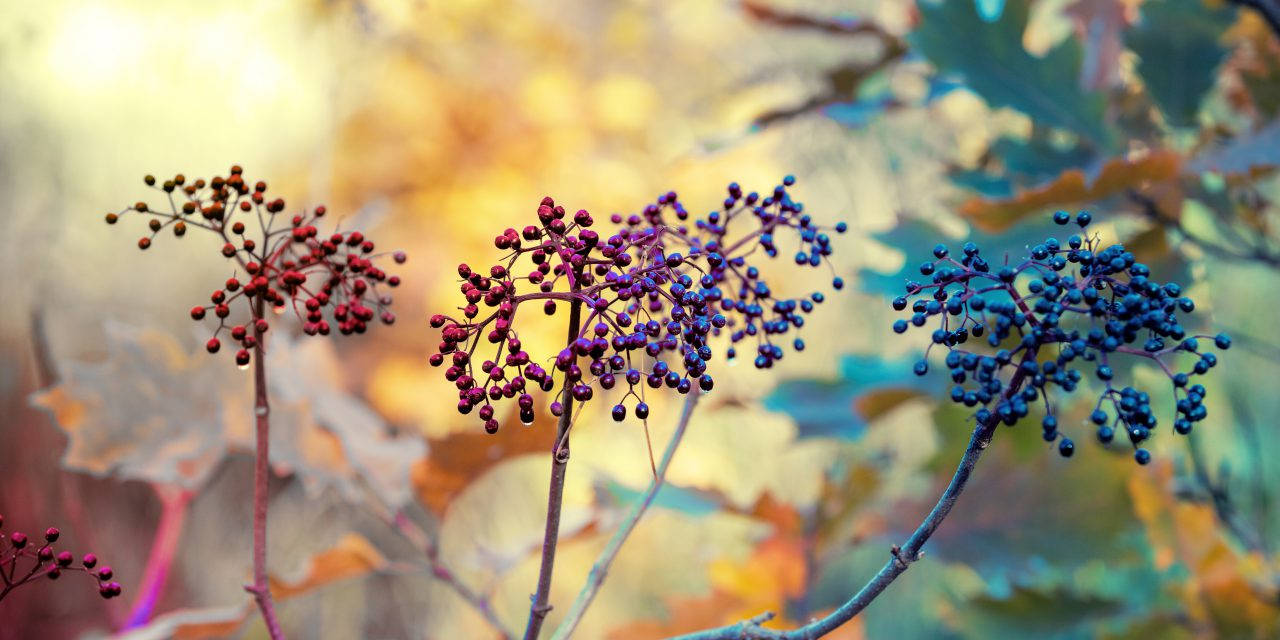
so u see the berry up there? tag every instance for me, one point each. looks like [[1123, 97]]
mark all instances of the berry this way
[[1061, 317]]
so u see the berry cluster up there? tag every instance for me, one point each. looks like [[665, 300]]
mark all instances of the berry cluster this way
[[1065, 306], [656, 290], [327, 281], [42, 560]]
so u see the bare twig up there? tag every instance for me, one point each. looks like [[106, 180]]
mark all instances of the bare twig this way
[[415, 534], [600, 570]]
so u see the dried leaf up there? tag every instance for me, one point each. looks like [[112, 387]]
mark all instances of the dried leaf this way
[[152, 412], [1073, 188]]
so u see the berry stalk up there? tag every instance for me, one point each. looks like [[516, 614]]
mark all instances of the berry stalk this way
[[555, 498], [600, 570], [261, 589]]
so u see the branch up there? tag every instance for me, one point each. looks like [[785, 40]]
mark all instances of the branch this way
[[1152, 211], [844, 81], [901, 556], [419, 537], [555, 496], [600, 569]]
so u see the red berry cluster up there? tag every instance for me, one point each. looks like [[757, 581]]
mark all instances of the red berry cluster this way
[[326, 281], [23, 561], [650, 287]]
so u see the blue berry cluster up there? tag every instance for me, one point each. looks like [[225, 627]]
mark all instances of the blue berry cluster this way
[[1063, 312], [654, 292]]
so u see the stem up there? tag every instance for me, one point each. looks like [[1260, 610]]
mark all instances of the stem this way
[[600, 569], [902, 556], [260, 588], [415, 534], [164, 546], [555, 498]]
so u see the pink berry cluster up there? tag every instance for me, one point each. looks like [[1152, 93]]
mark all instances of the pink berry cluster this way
[[24, 561], [654, 290], [282, 261]]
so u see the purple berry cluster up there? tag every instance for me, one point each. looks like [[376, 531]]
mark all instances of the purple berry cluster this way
[[285, 264], [655, 290], [24, 561], [1064, 307]]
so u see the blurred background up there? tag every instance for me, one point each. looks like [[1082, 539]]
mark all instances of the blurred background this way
[[435, 125]]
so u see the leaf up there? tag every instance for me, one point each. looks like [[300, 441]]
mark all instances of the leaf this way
[[149, 411], [352, 556], [155, 413], [1179, 47], [822, 408], [1247, 154], [334, 438], [996, 66], [1072, 188]]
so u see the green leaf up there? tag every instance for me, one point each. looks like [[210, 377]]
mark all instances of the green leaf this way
[[1178, 43], [997, 67]]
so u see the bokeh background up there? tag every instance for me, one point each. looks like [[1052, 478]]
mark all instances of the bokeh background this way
[[435, 125]]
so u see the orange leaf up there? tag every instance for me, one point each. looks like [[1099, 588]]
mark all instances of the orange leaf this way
[[1072, 188], [352, 556]]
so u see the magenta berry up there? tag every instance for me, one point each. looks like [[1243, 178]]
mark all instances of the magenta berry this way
[[653, 292], [22, 564], [327, 281]]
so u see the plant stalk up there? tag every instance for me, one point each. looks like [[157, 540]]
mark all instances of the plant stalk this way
[[600, 570], [555, 498], [261, 588]]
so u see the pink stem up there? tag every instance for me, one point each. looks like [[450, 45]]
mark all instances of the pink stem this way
[[164, 546]]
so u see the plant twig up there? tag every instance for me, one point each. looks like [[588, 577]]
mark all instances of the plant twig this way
[[410, 530], [600, 570], [164, 546], [261, 588], [555, 497], [901, 556]]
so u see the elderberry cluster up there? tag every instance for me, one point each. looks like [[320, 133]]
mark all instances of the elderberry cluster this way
[[645, 300], [285, 264], [24, 561], [1064, 308]]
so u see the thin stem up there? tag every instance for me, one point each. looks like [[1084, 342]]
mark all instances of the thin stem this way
[[164, 545], [261, 588], [902, 556], [600, 570], [555, 498], [410, 530]]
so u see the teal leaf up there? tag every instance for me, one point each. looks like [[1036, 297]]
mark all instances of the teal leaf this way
[[1178, 43], [994, 64]]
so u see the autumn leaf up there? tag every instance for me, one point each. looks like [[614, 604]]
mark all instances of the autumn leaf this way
[[150, 411], [154, 412], [1072, 187]]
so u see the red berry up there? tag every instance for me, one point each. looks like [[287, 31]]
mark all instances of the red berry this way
[[211, 346], [143, 243], [197, 313]]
